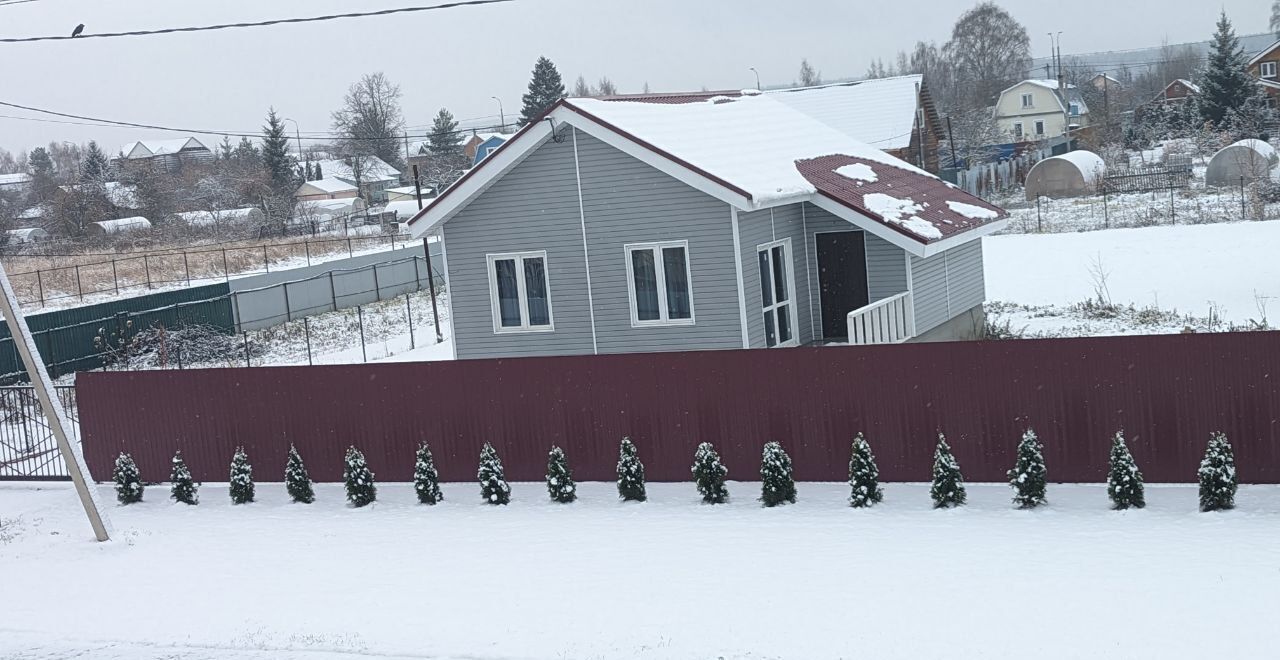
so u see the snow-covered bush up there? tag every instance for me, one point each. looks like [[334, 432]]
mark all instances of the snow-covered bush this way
[[709, 474], [630, 473], [948, 484], [128, 481], [1028, 476], [426, 480], [361, 490], [1124, 479], [560, 478], [241, 478], [493, 482], [1218, 475], [864, 476], [182, 487], [777, 486], [296, 479]]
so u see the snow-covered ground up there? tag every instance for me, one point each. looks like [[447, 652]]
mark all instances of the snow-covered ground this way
[[670, 578]]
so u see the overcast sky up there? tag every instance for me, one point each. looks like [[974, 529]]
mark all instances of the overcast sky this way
[[459, 58]]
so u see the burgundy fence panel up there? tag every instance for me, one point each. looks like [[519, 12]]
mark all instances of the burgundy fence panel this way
[[1167, 392]]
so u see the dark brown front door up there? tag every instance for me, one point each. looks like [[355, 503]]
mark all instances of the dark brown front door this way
[[842, 280]]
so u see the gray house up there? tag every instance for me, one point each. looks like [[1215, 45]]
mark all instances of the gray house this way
[[702, 221]]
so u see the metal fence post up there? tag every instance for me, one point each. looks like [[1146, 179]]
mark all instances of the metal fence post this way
[[79, 284], [115, 280], [1243, 214], [146, 266], [1106, 215], [40, 287], [53, 355], [306, 330], [288, 310], [266, 261], [408, 310], [186, 266], [364, 354], [177, 310], [226, 273], [1039, 225], [247, 363], [349, 252], [306, 245], [333, 295], [377, 288], [1173, 212]]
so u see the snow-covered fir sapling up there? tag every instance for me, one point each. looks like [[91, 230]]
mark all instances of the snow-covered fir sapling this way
[[182, 487], [709, 474], [361, 490], [777, 486], [296, 479], [630, 473], [241, 478], [1218, 475], [1028, 478], [426, 480], [493, 481], [864, 476], [948, 484], [1124, 479], [560, 484], [128, 481]]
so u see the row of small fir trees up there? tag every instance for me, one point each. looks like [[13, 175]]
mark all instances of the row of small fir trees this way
[[1028, 477]]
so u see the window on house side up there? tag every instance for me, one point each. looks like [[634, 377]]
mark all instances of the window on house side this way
[[659, 285], [519, 291], [1017, 130], [1028, 101], [776, 297], [1075, 109], [1268, 69], [1039, 128]]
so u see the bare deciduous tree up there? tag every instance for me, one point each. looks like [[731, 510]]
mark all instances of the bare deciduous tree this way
[[581, 88], [809, 76], [370, 120], [605, 87], [989, 51]]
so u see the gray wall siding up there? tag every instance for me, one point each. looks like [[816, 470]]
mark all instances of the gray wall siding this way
[[947, 284], [761, 227]]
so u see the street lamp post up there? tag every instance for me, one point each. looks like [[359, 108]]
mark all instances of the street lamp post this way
[[502, 116], [297, 132], [753, 70]]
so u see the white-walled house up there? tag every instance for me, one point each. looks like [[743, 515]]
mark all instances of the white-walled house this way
[[1038, 109]]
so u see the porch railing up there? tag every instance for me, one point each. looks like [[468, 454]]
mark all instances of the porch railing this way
[[888, 321]]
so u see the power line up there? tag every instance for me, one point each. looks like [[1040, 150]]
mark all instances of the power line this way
[[278, 21], [6, 3]]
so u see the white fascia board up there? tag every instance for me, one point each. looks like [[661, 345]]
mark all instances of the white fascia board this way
[[960, 239]]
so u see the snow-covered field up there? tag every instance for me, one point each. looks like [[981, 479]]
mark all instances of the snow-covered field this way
[[666, 579]]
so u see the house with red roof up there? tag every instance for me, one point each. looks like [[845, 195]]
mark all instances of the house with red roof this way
[[704, 221]]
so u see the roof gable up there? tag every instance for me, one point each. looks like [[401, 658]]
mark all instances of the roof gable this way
[[880, 113], [1265, 53]]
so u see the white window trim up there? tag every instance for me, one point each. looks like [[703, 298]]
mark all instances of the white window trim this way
[[661, 272], [791, 289], [1019, 130], [1074, 109], [1267, 69], [1028, 101], [495, 307], [1040, 128]]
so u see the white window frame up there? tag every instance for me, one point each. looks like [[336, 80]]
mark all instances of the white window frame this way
[[1040, 128], [1267, 69], [1028, 101], [661, 271], [1074, 109], [495, 307], [791, 289], [1018, 130]]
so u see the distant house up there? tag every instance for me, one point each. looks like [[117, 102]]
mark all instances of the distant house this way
[[123, 197], [722, 221], [375, 176], [1177, 91], [164, 155], [1106, 83], [480, 145], [1264, 66], [18, 183], [328, 188], [1036, 109]]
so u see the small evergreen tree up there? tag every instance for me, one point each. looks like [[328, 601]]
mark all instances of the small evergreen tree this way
[[560, 478], [777, 484], [630, 473], [241, 478], [545, 88], [1218, 475], [319, 172], [276, 159], [182, 487], [361, 490], [709, 474], [948, 484], [426, 480], [296, 479], [1225, 83], [96, 165], [493, 483], [864, 476], [128, 481], [1028, 476], [1124, 479]]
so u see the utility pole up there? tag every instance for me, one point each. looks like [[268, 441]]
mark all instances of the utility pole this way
[[502, 116], [426, 250]]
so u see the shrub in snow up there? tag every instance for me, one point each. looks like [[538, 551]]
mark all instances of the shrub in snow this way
[[358, 479], [1028, 476], [241, 478], [864, 476], [493, 482], [948, 483], [1218, 475], [426, 480], [709, 474], [560, 478], [630, 473], [1124, 479], [296, 479], [776, 483], [183, 487], [128, 481]]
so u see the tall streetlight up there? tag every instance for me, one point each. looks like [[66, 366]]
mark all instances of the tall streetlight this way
[[753, 70], [297, 132], [502, 116]]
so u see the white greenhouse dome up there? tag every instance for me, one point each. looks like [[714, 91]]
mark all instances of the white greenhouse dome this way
[[1072, 174]]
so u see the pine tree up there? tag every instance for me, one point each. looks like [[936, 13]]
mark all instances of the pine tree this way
[[544, 90], [128, 481], [1124, 479], [241, 478], [1225, 83], [630, 473], [95, 166], [276, 158], [777, 485], [319, 173], [182, 487], [361, 490], [948, 484], [426, 480], [493, 483], [444, 141], [1028, 476], [864, 476], [43, 177], [296, 479], [1218, 475], [560, 478], [709, 474]]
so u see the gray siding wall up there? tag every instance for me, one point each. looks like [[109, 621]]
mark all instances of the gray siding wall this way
[[947, 284]]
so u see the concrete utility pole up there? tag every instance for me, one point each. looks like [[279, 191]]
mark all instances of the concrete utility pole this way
[[426, 250]]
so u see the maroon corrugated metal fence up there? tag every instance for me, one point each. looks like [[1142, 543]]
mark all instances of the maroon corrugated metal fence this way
[[1168, 393]]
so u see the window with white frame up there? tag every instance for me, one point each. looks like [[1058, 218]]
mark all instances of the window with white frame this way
[[1017, 129], [1028, 100], [520, 292], [777, 293], [1039, 128], [658, 283], [1075, 109], [1268, 70]]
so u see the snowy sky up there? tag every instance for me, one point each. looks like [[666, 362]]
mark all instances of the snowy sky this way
[[459, 58]]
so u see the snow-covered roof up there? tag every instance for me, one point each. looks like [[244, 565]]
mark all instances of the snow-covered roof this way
[[27, 234], [405, 208], [18, 179], [149, 148], [1048, 83], [121, 195], [32, 213], [881, 113], [1260, 147], [1090, 165], [330, 185], [1186, 83], [372, 169], [1262, 54], [124, 224], [335, 205], [207, 218]]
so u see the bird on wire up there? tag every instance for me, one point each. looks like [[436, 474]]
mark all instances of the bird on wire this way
[[76, 32]]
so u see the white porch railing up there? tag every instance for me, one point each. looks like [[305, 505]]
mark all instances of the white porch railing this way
[[889, 321]]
